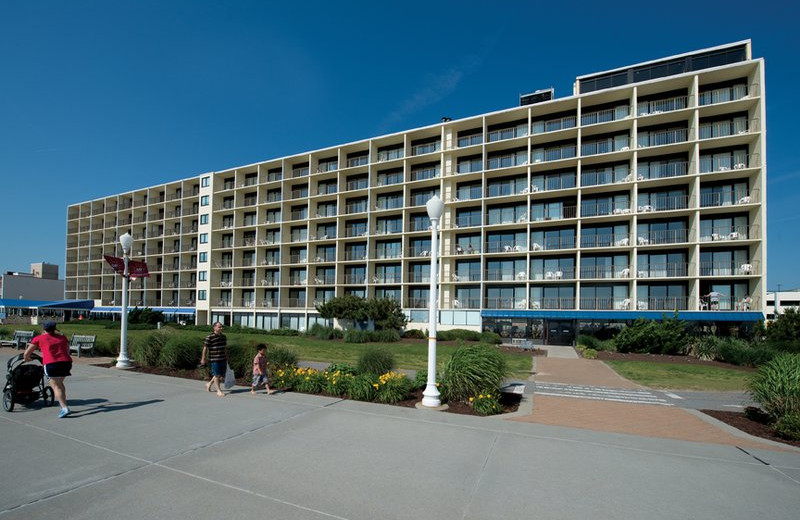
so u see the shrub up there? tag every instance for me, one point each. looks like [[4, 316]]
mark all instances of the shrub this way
[[384, 336], [491, 337], [4, 331], [584, 340], [356, 336], [283, 377], [487, 403], [420, 380], [649, 336], [240, 358], [707, 347], [458, 334], [104, 347], [375, 360], [180, 352], [589, 353], [147, 349], [343, 368], [361, 387], [279, 332], [739, 352], [392, 387], [280, 357], [788, 426], [784, 333], [414, 334], [776, 386], [320, 331], [471, 370]]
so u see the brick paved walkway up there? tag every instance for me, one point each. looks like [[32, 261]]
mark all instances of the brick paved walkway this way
[[634, 419]]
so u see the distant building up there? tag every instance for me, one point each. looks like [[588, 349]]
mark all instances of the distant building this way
[[780, 301], [41, 283]]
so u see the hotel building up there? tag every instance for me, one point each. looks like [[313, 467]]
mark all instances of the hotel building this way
[[642, 194]]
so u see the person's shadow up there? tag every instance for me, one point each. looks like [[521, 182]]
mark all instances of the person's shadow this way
[[103, 406]]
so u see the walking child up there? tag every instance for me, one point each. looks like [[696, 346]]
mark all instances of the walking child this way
[[260, 370]]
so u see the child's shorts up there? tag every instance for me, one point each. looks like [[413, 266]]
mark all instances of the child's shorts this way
[[259, 379]]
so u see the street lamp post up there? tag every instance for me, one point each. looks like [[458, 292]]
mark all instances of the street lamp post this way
[[430, 397], [126, 241]]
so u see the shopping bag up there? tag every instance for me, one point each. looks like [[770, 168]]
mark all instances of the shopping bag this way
[[230, 378]]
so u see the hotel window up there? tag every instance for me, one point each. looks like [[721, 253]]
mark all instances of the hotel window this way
[[202, 257], [202, 276], [204, 218], [201, 294], [204, 200], [204, 238], [205, 182]]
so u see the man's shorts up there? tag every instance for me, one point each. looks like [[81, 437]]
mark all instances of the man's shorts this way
[[259, 379], [58, 369], [218, 368]]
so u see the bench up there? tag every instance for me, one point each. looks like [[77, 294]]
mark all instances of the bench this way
[[522, 343], [82, 343], [20, 339]]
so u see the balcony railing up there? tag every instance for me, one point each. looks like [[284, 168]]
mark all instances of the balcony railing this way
[[300, 172], [355, 255], [505, 275], [553, 125], [469, 166], [361, 160], [665, 303], [387, 278], [417, 303], [554, 154], [728, 269], [662, 137], [539, 213], [727, 233], [606, 240], [506, 247], [296, 302], [657, 106], [387, 253], [551, 243], [508, 133], [663, 236], [470, 140], [388, 155], [465, 303], [723, 95], [325, 279], [726, 162], [606, 304], [728, 303], [662, 203], [468, 276], [605, 115], [426, 148], [661, 270], [269, 302], [597, 209], [298, 280], [419, 278], [605, 271], [660, 170], [604, 146], [422, 174], [552, 303], [419, 251], [728, 198], [470, 193], [269, 282], [736, 126], [387, 179]]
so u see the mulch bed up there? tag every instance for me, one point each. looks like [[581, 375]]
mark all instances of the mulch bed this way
[[659, 358], [754, 423], [510, 402]]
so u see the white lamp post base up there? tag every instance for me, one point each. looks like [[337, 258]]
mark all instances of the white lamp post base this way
[[124, 362]]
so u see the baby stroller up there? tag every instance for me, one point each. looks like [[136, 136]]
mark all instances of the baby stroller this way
[[25, 383]]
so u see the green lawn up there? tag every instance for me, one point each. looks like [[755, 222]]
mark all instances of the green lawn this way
[[408, 354], [675, 376]]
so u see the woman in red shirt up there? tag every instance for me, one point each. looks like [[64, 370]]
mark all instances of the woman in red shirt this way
[[56, 360]]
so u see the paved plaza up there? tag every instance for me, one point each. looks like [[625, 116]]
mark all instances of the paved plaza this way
[[140, 446]]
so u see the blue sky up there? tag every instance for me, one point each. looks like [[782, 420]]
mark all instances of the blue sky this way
[[101, 97]]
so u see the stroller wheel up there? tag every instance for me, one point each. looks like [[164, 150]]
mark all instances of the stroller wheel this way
[[48, 396], [8, 400]]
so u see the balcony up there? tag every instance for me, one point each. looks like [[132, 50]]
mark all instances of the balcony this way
[[605, 272], [661, 170], [389, 155], [662, 137], [506, 303], [728, 198], [419, 251], [355, 255], [599, 209], [269, 302], [737, 126], [325, 280], [471, 193], [662, 236], [728, 303], [298, 280], [726, 162], [728, 269], [419, 278], [469, 166], [417, 303], [606, 304], [605, 116], [605, 240], [300, 172], [661, 270], [553, 125], [466, 303], [506, 247], [605, 146], [725, 94], [296, 302], [269, 282], [658, 106], [387, 278], [662, 203], [470, 140], [664, 303], [361, 160], [552, 243], [505, 275], [421, 174], [729, 233], [546, 213], [426, 148], [507, 133], [555, 153]]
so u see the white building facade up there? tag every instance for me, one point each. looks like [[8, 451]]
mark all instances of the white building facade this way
[[642, 194]]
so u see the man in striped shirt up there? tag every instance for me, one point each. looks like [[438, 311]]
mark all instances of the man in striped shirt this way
[[215, 351]]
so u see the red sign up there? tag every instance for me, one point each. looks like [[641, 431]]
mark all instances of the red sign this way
[[135, 269]]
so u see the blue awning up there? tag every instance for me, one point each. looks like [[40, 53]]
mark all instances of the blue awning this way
[[69, 305], [733, 316]]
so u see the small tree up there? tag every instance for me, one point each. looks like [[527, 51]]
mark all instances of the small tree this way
[[784, 333], [347, 308], [387, 314]]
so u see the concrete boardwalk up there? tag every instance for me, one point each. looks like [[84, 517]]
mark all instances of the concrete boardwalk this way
[[140, 446]]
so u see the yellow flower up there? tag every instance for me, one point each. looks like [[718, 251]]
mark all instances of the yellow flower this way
[[375, 385], [471, 399], [488, 395]]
